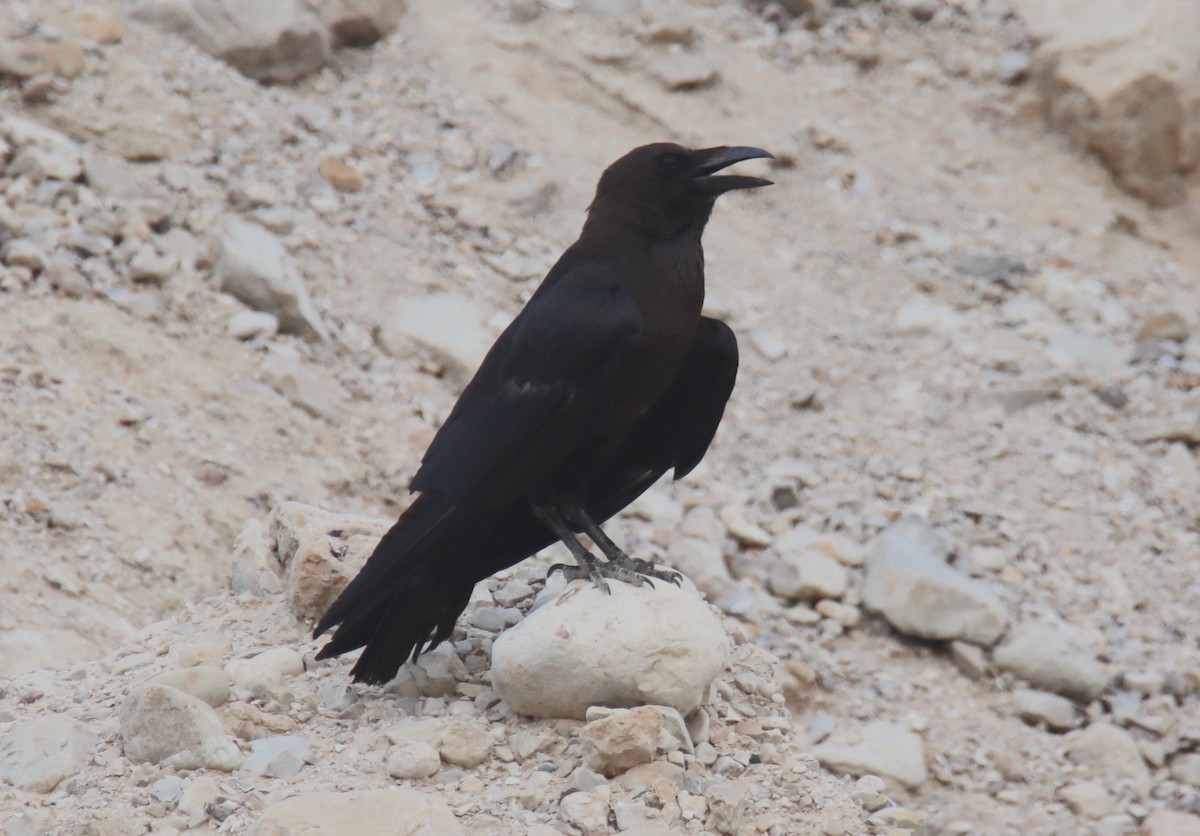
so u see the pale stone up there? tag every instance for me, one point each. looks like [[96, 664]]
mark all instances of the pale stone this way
[[657, 646]]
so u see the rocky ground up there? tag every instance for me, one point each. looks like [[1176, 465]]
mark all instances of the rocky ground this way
[[949, 523]]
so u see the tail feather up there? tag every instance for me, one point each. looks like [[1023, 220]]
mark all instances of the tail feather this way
[[411, 590], [397, 554], [413, 619]]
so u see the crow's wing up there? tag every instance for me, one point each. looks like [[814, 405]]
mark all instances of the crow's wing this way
[[677, 430], [536, 396]]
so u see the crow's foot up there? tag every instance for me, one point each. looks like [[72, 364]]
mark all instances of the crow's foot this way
[[629, 570]]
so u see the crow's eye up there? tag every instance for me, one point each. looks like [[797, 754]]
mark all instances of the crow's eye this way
[[671, 161]]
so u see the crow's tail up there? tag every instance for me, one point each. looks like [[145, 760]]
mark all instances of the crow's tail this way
[[411, 590]]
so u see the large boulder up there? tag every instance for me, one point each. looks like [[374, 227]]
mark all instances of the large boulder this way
[[320, 552], [638, 646], [267, 40], [1121, 79]]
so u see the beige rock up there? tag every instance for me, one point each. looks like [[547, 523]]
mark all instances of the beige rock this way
[[684, 71], [395, 811], [615, 740], [1170, 823], [1088, 798], [25, 59], [1164, 325], [268, 40], [1119, 79], [413, 760], [911, 585], [1109, 754], [99, 23], [342, 176], [807, 577], [464, 743], [307, 540], [728, 806], [1055, 712], [703, 563], [1045, 656]]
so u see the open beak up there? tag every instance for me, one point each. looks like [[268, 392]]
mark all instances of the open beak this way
[[708, 161]]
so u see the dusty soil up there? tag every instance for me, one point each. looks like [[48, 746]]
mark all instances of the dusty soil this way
[[139, 437]]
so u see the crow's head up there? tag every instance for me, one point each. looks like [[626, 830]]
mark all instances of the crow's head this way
[[668, 190]]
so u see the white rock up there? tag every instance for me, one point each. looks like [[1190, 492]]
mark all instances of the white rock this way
[[463, 742], [729, 803], [587, 811], [168, 790], [1109, 754], [684, 71], [769, 345], [448, 324], [1185, 769], [637, 646], [163, 725], [806, 577], [703, 563], [414, 760], [251, 264], [741, 529], [253, 325], [920, 315], [149, 267], [396, 811], [267, 40], [888, 750], [38, 754], [21, 252], [204, 682], [40, 164], [1085, 354], [266, 670], [278, 756], [253, 567], [1046, 657], [910, 584], [1051, 710]]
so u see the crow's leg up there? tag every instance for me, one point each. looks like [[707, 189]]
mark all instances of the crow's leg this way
[[615, 554], [590, 566]]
